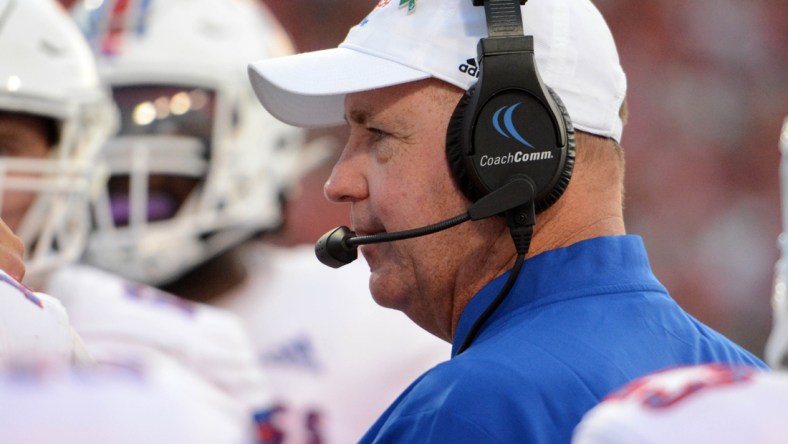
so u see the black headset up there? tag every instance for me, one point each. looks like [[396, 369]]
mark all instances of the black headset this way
[[509, 132], [510, 126]]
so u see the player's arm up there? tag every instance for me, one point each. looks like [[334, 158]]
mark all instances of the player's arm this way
[[11, 251]]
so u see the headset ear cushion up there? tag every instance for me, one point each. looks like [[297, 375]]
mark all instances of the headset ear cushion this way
[[454, 149], [566, 170], [459, 169]]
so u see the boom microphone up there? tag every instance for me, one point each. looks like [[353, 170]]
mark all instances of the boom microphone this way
[[338, 247]]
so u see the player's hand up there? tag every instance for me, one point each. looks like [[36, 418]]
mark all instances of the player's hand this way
[[12, 250]]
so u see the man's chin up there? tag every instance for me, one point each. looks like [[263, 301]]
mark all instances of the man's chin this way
[[385, 291]]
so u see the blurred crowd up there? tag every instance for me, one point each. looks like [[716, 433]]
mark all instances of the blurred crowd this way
[[707, 93]]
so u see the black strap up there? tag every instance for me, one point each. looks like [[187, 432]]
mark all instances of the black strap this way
[[503, 17]]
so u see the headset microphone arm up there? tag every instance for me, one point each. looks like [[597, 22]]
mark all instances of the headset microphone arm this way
[[407, 234], [338, 247]]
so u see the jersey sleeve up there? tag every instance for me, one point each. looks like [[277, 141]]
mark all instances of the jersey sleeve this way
[[33, 326]]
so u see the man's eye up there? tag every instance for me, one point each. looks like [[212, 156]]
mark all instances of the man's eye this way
[[377, 133]]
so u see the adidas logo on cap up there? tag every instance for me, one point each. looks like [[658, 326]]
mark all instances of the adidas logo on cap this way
[[470, 67]]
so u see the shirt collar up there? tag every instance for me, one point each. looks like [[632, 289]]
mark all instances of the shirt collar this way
[[588, 267]]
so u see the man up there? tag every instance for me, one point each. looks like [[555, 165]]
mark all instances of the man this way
[[586, 314], [197, 170]]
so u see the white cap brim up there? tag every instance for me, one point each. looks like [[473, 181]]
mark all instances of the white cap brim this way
[[309, 89]]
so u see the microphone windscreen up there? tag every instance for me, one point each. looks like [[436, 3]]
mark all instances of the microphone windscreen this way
[[332, 250]]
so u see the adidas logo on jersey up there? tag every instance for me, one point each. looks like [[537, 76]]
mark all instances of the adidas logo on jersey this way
[[471, 68]]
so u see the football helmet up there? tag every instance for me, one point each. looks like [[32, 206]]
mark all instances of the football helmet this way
[[198, 165], [776, 352], [48, 71]]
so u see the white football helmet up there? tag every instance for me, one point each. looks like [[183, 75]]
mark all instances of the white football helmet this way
[[198, 164], [47, 70], [776, 352]]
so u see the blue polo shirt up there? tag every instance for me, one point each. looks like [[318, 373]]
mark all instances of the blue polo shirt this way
[[580, 322]]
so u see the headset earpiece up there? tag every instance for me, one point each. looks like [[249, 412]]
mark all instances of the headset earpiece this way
[[565, 171], [510, 125], [455, 154]]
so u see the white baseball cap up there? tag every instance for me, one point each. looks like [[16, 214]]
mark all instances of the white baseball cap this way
[[575, 54]]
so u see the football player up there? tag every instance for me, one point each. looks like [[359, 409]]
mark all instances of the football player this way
[[54, 116]]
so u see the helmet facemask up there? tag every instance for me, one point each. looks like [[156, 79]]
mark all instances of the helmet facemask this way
[[49, 73]]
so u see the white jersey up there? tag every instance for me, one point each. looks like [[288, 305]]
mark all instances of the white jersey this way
[[336, 360], [35, 326], [711, 403], [129, 324], [91, 405]]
